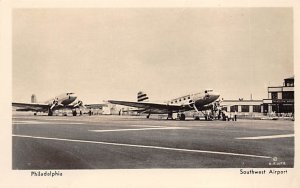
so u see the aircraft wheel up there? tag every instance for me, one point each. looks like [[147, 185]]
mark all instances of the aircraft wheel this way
[[182, 117], [74, 113], [34, 114], [50, 113], [197, 118]]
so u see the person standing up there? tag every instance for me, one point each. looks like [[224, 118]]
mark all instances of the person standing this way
[[235, 115]]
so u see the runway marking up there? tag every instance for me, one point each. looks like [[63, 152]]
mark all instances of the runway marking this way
[[145, 146], [142, 129], [144, 125], [266, 137], [42, 122]]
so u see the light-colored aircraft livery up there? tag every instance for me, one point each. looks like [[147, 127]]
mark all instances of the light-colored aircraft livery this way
[[198, 102], [63, 101]]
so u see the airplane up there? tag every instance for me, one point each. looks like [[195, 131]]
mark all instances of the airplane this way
[[63, 101], [197, 101]]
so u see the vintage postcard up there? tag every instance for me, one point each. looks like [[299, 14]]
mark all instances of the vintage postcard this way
[[183, 94]]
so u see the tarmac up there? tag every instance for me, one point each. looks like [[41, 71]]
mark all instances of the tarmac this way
[[130, 142]]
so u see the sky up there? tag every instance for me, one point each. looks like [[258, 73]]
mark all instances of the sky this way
[[112, 53]]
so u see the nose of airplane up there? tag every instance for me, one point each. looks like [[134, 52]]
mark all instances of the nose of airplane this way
[[215, 95], [73, 96]]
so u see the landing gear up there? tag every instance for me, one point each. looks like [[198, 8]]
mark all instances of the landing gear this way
[[50, 113], [148, 116], [181, 116], [74, 113], [170, 115], [35, 113]]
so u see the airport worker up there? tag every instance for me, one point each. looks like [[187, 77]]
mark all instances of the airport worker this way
[[235, 115], [223, 116]]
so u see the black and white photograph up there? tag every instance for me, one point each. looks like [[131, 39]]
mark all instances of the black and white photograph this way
[[152, 88], [128, 88]]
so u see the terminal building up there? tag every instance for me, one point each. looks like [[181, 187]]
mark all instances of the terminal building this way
[[280, 98], [280, 101]]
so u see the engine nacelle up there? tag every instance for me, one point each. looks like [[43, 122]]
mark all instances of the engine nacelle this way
[[190, 104], [79, 103]]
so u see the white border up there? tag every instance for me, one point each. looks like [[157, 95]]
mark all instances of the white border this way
[[130, 178]]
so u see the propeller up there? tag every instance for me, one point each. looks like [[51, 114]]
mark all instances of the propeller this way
[[54, 103], [217, 105], [192, 105], [195, 107], [79, 104]]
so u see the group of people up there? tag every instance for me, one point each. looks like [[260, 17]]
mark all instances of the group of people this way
[[227, 116], [221, 115]]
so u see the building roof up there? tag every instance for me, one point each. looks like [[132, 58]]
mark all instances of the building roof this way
[[229, 100], [290, 78]]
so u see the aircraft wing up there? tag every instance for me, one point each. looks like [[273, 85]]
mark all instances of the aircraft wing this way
[[95, 106], [30, 106], [149, 105], [87, 106]]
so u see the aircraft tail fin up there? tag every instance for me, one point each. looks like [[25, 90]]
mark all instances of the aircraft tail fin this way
[[33, 98], [142, 97]]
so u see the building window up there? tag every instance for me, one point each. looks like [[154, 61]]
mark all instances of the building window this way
[[274, 95], [234, 108], [245, 108], [288, 95], [289, 83], [256, 108], [287, 108]]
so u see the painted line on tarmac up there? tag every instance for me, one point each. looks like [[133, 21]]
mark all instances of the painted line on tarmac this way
[[42, 122], [145, 125], [144, 146], [266, 137], [141, 129]]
